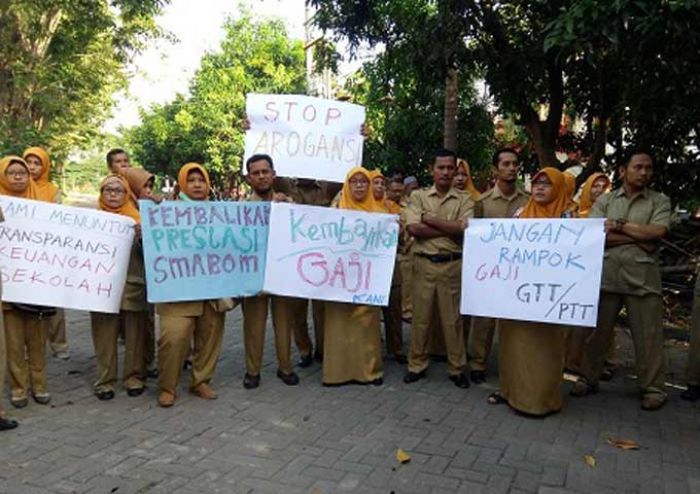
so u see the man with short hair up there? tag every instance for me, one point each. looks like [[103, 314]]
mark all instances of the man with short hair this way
[[117, 159], [501, 201], [637, 218], [410, 184], [260, 174], [437, 217]]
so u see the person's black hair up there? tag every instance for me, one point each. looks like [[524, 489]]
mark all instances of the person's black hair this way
[[496, 158], [446, 153], [112, 153], [631, 152], [259, 157], [396, 180]]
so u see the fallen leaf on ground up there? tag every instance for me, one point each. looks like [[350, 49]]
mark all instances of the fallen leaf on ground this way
[[627, 444], [402, 456], [590, 461]]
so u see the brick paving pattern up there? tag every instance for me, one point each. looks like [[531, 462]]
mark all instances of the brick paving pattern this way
[[311, 439]]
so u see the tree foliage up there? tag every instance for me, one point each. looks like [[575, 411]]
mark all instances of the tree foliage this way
[[206, 125], [60, 63]]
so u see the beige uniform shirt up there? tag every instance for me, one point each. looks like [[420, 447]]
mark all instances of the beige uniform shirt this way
[[629, 269], [454, 206], [493, 204]]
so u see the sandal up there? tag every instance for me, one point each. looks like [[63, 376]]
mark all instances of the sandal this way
[[496, 399]]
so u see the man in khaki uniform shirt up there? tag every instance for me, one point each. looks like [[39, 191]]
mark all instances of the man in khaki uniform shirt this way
[[437, 217], [693, 371], [636, 218], [260, 176], [502, 201]]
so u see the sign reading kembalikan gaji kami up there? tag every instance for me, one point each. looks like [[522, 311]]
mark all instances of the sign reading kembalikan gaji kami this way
[[545, 270], [331, 254], [306, 137], [204, 250], [61, 256]]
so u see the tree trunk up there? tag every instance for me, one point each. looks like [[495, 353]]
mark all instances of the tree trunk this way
[[451, 107], [541, 139]]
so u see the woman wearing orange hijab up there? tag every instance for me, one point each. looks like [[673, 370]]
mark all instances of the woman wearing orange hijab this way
[[352, 342], [531, 354], [392, 313], [201, 321], [463, 180], [595, 186], [25, 325], [115, 197], [40, 166]]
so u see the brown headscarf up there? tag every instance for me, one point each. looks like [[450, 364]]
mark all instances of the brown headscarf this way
[[559, 201], [127, 207], [137, 179], [29, 193], [46, 191], [586, 204]]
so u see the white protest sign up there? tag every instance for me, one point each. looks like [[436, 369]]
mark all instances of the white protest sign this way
[[545, 270], [61, 256], [306, 137], [331, 254]]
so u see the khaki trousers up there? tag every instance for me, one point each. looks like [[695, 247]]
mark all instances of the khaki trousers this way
[[255, 311], [436, 286], [150, 352], [25, 336], [644, 314], [57, 332], [392, 322], [406, 266], [3, 361], [299, 308], [480, 342], [176, 336], [105, 332], [693, 371]]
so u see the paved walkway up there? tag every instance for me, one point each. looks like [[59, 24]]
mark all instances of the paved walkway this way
[[311, 439]]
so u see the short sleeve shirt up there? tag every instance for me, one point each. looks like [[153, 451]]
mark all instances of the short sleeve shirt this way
[[629, 269], [453, 206]]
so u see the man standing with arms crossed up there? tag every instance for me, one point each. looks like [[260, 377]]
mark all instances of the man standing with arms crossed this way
[[502, 201], [437, 217], [636, 219]]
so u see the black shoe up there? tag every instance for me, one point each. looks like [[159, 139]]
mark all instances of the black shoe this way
[[133, 392], [251, 382], [477, 376], [691, 394], [318, 356], [105, 395], [7, 424], [460, 380], [377, 382], [305, 361], [152, 373], [187, 364], [401, 359], [412, 377], [290, 379]]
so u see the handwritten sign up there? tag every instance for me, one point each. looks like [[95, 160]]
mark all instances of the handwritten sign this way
[[306, 137], [331, 254], [203, 250], [533, 270], [61, 256]]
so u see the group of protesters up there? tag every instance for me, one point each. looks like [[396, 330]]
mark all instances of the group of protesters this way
[[425, 290]]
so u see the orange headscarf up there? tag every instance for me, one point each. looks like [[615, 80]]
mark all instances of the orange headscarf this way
[[137, 179], [29, 193], [46, 190], [469, 186], [586, 203], [389, 206], [127, 207], [369, 204], [185, 171], [559, 202]]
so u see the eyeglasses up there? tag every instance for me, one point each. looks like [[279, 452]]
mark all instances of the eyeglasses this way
[[20, 174], [114, 191], [359, 183]]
